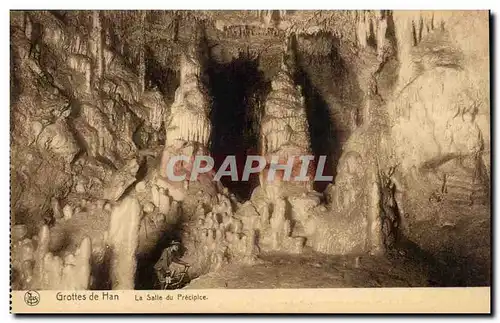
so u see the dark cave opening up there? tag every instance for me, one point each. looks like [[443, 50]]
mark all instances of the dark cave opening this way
[[322, 130], [165, 79], [145, 277], [100, 271], [237, 89]]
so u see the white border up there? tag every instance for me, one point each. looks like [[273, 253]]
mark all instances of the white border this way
[[185, 4]]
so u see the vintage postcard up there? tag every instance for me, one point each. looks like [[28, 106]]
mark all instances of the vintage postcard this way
[[258, 161]]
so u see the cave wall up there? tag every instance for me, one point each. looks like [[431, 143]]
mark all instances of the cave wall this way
[[442, 94], [78, 111], [416, 167], [398, 101]]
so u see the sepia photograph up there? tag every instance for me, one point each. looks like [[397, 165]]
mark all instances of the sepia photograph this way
[[173, 151]]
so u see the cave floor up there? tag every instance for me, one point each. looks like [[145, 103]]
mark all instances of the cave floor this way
[[307, 270], [314, 270]]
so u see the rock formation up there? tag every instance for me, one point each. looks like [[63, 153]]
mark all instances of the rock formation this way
[[284, 127], [397, 102], [123, 241], [40, 269]]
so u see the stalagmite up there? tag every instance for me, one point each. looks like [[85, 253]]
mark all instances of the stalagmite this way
[[67, 212], [284, 129], [187, 116], [163, 201], [41, 270], [70, 273], [123, 240], [56, 208], [374, 220]]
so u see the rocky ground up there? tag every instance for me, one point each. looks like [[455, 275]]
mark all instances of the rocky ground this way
[[313, 270]]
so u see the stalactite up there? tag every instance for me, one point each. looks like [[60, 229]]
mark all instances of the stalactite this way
[[97, 46], [142, 60], [189, 112]]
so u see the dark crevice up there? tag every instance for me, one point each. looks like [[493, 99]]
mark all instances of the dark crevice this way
[[420, 29], [414, 34], [145, 277], [390, 211], [323, 133], [371, 40], [160, 77], [59, 14], [444, 269], [15, 85], [100, 271], [237, 88], [390, 31]]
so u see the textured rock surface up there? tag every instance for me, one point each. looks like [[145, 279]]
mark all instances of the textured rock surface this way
[[41, 269], [397, 102]]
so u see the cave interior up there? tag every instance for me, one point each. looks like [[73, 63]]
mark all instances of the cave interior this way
[[99, 98]]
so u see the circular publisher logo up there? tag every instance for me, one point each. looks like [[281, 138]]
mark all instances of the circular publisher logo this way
[[32, 298]]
